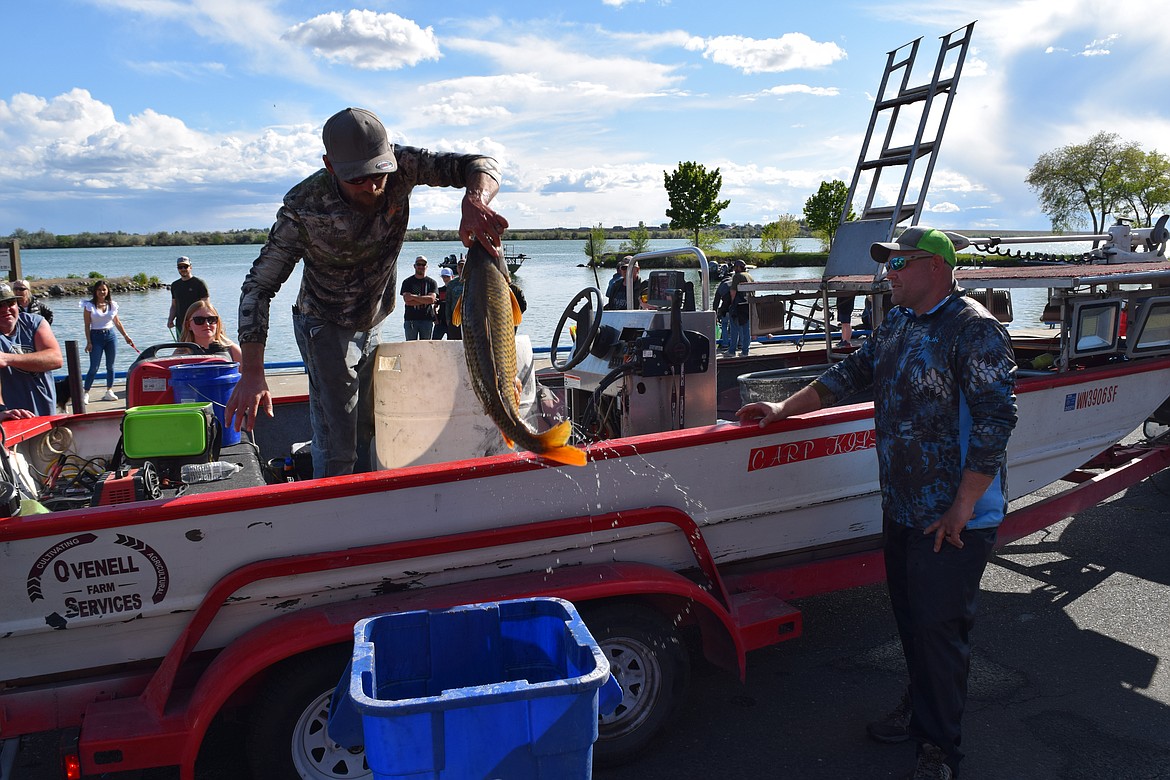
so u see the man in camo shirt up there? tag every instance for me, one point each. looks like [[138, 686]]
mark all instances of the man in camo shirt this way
[[347, 222], [943, 375]]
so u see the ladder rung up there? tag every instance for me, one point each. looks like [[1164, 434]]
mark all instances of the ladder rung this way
[[899, 155], [887, 212], [914, 94]]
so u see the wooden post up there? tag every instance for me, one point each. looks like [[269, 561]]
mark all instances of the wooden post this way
[[13, 269], [73, 364]]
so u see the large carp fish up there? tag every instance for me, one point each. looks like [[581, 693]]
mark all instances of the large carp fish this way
[[488, 312]]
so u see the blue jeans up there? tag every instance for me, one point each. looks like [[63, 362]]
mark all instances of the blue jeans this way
[[340, 365], [101, 342], [418, 330], [740, 338]]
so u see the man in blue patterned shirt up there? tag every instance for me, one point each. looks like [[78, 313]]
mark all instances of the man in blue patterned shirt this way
[[943, 374]]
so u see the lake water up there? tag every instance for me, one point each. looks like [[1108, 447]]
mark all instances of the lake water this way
[[550, 277]]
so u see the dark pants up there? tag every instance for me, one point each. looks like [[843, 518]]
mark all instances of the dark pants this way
[[934, 597]]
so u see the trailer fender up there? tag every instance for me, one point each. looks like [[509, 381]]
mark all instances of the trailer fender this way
[[253, 653]]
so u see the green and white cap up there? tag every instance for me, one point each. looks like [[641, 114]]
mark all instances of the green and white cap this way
[[918, 238]]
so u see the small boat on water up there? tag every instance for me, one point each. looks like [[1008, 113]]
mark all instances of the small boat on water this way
[[513, 260]]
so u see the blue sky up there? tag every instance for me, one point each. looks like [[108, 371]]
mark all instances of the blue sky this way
[[145, 115]]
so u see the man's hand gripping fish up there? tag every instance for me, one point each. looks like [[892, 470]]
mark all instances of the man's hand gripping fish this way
[[489, 313]]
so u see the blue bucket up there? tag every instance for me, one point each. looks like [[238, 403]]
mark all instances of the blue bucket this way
[[207, 382]]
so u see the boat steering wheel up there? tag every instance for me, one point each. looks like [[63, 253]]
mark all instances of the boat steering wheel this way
[[581, 311]]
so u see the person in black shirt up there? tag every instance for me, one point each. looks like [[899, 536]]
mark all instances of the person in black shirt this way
[[419, 293], [184, 292]]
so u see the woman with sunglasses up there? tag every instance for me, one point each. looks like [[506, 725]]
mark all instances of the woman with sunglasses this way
[[203, 326], [101, 317]]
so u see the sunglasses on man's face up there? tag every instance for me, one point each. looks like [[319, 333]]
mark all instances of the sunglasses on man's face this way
[[183, 267], [359, 181], [898, 262], [211, 320], [20, 289]]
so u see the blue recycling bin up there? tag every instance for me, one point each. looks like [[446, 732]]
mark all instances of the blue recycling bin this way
[[507, 689]]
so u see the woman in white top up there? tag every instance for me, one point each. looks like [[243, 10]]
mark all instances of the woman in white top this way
[[101, 317]]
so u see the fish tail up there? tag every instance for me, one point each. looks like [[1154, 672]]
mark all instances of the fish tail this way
[[553, 446], [457, 313], [516, 314]]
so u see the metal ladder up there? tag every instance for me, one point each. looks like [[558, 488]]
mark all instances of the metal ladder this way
[[849, 255]]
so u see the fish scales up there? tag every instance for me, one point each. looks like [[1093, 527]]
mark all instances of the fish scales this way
[[488, 314]]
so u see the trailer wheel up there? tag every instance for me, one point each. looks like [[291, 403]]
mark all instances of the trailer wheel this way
[[287, 736], [649, 659]]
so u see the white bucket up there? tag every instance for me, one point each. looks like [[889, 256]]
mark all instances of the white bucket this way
[[425, 410]]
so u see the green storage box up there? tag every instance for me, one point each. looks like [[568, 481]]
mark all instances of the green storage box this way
[[167, 431]]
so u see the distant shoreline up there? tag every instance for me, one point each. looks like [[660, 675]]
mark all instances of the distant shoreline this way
[[76, 287]]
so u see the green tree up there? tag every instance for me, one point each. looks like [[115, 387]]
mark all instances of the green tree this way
[[778, 236], [637, 242], [694, 198], [743, 247], [1082, 180], [822, 211], [595, 246], [1145, 184]]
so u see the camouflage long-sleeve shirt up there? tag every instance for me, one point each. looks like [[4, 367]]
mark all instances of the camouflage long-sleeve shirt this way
[[945, 402], [350, 275]]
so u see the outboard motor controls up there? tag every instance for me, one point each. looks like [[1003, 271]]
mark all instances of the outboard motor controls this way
[[672, 352], [672, 381]]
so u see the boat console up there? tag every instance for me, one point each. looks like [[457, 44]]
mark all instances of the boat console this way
[[638, 370]]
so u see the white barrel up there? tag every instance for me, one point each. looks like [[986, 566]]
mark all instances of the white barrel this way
[[424, 408]]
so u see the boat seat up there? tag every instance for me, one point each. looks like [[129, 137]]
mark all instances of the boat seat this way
[[998, 302]]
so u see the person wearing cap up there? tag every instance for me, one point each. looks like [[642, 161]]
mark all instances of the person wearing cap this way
[[420, 293], [616, 291], [29, 353], [454, 293], [943, 376], [30, 302], [440, 329], [185, 291], [347, 222], [739, 312]]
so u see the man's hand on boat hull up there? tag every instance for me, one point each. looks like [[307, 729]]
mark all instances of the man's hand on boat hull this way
[[803, 400]]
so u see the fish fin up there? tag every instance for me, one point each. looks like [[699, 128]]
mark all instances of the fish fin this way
[[517, 315], [553, 446], [457, 313]]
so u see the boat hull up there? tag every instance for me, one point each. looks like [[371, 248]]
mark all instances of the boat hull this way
[[97, 588]]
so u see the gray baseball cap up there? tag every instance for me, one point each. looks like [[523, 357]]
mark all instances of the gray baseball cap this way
[[7, 293], [357, 146]]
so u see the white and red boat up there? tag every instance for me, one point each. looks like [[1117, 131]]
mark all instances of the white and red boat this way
[[137, 610], [140, 619]]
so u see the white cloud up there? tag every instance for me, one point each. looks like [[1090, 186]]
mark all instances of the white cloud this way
[[772, 55], [366, 40], [185, 71], [800, 89], [1099, 47], [75, 140]]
